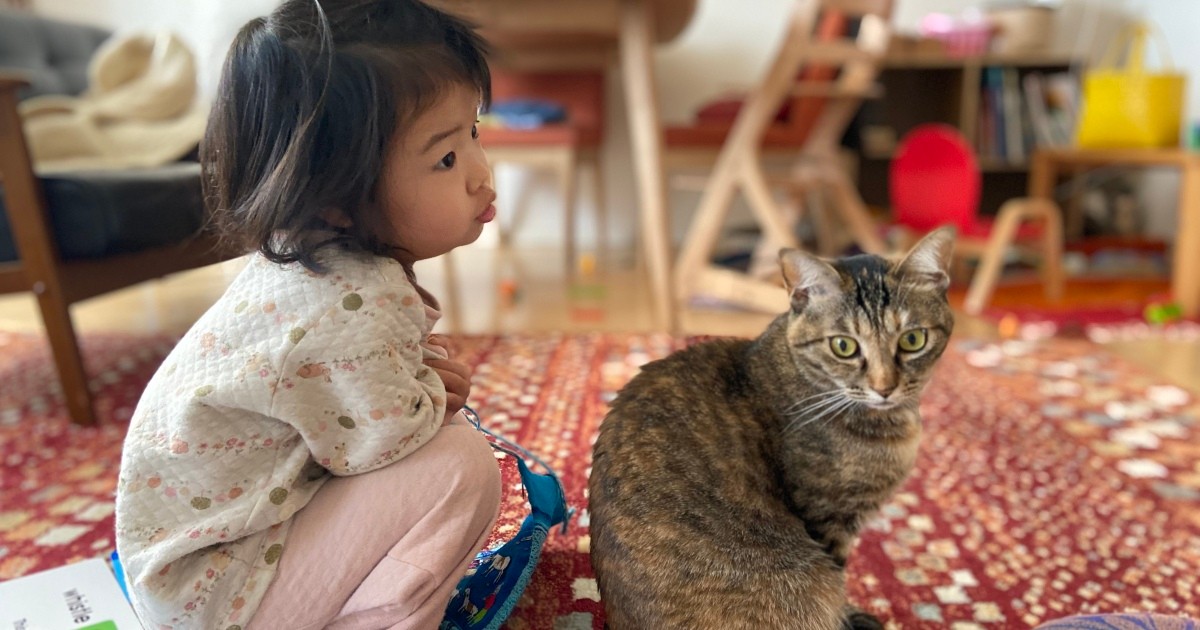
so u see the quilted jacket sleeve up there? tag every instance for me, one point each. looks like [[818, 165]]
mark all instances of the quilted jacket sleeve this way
[[354, 385]]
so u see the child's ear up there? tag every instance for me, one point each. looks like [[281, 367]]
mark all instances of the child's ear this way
[[336, 218]]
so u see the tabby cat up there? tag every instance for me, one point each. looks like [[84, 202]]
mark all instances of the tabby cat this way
[[730, 479]]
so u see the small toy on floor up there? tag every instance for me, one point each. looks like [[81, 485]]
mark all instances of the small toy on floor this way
[[587, 295], [1161, 310], [509, 293]]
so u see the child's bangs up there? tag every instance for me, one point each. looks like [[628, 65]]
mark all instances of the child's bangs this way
[[418, 84]]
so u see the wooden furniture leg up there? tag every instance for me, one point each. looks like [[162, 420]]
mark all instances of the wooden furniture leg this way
[[1043, 172], [599, 199], [568, 178], [1012, 214], [637, 70], [1053, 236], [1185, 277], [56, 315]]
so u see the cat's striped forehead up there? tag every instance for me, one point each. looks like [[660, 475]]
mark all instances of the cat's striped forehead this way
[[870, 288]]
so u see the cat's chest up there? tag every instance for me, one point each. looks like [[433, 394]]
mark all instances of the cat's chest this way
[[889, 461], [849, 463]]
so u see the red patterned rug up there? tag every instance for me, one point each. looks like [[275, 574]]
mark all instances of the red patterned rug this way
[[1054, 478]]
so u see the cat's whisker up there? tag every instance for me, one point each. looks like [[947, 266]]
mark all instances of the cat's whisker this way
[[801, 402], [832, 416], [822, 410], [827, 414], [811, 408]]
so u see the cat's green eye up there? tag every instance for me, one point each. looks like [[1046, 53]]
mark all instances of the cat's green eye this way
[[843, 347], [913, 340]]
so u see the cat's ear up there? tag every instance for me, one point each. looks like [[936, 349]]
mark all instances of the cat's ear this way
[[927, 264], [807, 277]]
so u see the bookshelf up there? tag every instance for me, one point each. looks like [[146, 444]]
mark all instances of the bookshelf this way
[[962, 93]]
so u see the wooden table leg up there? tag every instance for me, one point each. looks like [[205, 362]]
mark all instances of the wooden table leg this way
[[1042, 174], [1185, 276], [641, 103]]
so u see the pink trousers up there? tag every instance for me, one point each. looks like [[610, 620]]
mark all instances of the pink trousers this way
[[386, 549]]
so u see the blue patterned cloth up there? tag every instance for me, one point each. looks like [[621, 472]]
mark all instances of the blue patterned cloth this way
[[486, 597]]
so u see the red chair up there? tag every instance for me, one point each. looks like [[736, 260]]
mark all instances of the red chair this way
[[561, 147], [934, 180]]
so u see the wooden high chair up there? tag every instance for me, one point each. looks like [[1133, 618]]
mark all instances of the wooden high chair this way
[[739, 165], [562, 148]]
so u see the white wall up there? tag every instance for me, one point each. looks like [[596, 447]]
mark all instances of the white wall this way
[[208, 26], [726, 46]]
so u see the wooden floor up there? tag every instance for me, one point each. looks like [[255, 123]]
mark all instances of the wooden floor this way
[[523, 291]]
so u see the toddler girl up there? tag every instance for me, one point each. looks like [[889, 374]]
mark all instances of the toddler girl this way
[[297, 461]]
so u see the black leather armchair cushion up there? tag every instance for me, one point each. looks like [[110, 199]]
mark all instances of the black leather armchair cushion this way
[[99, 214]]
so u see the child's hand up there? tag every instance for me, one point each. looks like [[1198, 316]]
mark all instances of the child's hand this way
[[457, 379], [441, 342]]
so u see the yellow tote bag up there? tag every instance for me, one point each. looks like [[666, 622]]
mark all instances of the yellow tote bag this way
[[1128, 107]]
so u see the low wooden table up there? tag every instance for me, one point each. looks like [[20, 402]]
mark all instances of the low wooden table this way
[[1185, 272]]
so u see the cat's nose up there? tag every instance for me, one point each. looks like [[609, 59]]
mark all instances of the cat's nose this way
[[884, 391]]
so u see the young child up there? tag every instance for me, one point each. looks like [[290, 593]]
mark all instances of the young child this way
[[297, 461]]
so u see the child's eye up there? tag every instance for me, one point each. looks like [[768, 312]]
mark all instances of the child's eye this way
[[448, 161], [475, 131]]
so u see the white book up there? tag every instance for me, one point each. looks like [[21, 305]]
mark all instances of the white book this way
[[1035, 97], [80, 596]]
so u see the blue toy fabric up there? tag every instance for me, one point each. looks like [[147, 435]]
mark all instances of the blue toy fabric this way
[[485, 598], [528, 113]]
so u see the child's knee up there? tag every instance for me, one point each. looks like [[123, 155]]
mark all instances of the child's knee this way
[[476, 479]]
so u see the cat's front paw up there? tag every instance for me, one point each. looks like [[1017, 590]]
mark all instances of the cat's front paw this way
[[858, 620]]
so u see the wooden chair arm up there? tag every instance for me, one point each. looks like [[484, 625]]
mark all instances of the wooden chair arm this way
[[12, 81], [1029, 208]]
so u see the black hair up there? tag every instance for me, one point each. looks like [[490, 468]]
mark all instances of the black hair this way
[[309, 100]]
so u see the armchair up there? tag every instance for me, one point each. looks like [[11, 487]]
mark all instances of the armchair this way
[[71, 236]]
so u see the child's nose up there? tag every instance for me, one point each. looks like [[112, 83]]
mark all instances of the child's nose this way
[[481, 173]]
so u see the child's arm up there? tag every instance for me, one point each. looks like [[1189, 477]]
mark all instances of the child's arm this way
[[356, 389]]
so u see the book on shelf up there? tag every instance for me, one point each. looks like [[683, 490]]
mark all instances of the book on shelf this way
[[1053, 101], [1014, 122], [1020, 113]]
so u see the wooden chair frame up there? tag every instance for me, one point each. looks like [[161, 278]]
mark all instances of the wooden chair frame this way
[[58, 283], [991, 251], [739, 164]]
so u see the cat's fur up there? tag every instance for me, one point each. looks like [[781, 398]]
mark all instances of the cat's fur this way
[[731, 478]]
